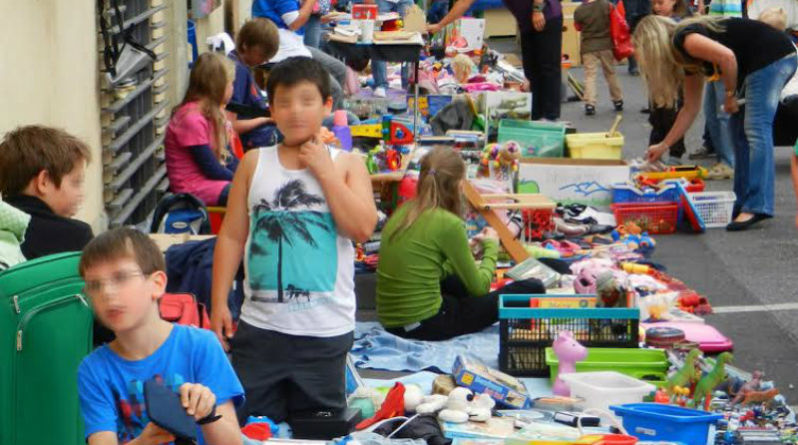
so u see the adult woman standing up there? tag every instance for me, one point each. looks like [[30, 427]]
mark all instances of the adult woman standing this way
[[540, 24], [754, 62]]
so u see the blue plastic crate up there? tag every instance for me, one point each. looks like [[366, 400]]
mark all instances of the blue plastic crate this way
[[526, 332], [655, 421], [626, 192]]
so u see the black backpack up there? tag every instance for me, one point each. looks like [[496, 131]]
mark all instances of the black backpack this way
[[181, 213]]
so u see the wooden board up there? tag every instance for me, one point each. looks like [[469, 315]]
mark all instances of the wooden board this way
[[511, 245]]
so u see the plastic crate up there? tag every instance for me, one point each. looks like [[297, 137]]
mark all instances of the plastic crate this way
[[594, 146], [659, 422], [649, 365], [715, 208], [537, 139], [525, 333], [651, 217], [626, 192]]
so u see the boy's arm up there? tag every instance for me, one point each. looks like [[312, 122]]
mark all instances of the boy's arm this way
[[224, 431], [294, 18], [348, 196], [230, 247]]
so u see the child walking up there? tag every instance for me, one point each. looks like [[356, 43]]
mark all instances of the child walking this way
[[198, 157], [593, 19], [125, 275], [663, 116], [293, 212], [428, 285]]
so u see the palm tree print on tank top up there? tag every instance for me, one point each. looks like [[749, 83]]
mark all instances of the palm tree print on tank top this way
[[293, 248]]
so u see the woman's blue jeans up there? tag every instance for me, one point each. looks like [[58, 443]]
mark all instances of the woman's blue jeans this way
[[752, 130]]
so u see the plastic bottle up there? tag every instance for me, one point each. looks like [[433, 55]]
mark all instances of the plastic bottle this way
[[341, 129]]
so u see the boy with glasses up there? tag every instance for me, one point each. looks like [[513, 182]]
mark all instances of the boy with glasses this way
[[124, 274]]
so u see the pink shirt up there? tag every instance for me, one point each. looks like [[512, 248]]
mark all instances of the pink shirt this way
[[188, 128]]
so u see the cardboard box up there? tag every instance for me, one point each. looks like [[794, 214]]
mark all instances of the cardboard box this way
[[503, 388], [584, 181]]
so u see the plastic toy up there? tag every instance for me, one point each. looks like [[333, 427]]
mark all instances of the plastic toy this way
[[568, 351], [260, 428], [392, 406], [760, 396], [755, 384], [687, 375], [702, 395]]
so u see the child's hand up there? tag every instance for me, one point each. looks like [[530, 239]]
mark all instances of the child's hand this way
[[154, 435], [314, 155], [198, 400]]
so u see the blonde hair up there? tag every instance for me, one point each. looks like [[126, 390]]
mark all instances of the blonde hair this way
[[442, 170], [207, 84], [775, 17], [661, 64]]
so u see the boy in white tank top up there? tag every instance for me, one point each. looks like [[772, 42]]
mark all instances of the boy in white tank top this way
[[292, 214]]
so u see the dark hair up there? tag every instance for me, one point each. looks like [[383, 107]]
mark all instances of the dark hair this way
[[26, 151], [259, 33], [122, 243], [294, 70]]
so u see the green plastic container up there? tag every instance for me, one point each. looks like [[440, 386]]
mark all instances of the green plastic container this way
[[537, 139], [650, 365]]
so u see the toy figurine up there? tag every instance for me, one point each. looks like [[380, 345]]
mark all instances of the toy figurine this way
[[687, 375], [702, 395], [568, 352], [760, 396]]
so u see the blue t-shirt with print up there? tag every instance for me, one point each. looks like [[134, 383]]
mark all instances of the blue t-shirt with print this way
[[246, 92], [274, 10], [111, 388]]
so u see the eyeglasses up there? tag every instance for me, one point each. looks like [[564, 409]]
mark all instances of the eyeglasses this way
[[117, 281]]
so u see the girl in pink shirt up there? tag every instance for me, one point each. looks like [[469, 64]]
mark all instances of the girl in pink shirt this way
[[198, 158]]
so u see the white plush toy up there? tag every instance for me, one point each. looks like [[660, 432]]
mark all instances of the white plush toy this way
[[460, 406]]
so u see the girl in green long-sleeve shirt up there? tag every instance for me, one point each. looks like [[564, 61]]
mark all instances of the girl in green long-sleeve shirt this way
[[429, 286]]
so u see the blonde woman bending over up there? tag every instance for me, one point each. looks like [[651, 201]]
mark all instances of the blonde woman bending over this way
[[754, 62]]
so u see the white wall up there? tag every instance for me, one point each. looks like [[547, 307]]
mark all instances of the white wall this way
[[49, 76]]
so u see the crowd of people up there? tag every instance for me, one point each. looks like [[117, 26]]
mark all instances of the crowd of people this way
[[294, 205]]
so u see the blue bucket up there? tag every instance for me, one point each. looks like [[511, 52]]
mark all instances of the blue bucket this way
[[655, 421]]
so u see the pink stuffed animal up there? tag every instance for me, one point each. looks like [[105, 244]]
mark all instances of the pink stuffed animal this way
[[568, 352]]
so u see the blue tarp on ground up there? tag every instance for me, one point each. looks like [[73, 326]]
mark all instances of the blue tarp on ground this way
[[374, 348]]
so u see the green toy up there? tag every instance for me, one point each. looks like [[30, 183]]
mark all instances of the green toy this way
[[687, 375], [708, 383]]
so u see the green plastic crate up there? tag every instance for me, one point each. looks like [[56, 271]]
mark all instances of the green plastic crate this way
[[650, 365], [537, 139]]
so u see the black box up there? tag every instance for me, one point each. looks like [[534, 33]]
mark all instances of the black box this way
[[324, 424]]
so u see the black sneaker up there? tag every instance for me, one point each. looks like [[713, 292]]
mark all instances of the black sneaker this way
[[590, 110], [618, 104]]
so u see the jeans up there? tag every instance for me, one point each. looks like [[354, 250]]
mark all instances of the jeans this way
[[717, 122], [337, 71], [752, 129], [313, 31], [379, 67], [541, 52]]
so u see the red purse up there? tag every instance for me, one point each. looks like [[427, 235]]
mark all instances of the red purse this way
[[619, 32]]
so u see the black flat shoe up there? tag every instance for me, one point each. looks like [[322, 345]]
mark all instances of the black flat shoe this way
[[735, 226]]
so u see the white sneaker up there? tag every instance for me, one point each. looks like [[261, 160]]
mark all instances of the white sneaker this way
[[379, 92]]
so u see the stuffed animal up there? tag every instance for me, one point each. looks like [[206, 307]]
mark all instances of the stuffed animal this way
[[460, 406], [568, 352]]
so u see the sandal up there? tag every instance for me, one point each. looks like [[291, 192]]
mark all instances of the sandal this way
[[720, 171]]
